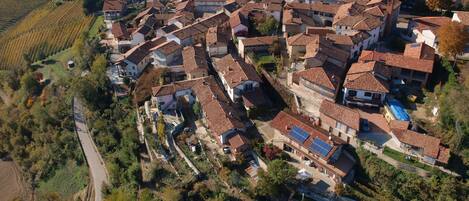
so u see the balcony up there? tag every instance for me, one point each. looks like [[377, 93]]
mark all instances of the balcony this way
[[375, 102]]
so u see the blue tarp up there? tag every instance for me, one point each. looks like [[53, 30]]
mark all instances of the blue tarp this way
[[398, 110]]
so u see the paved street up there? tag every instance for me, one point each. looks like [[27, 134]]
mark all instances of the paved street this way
[[98, 170]]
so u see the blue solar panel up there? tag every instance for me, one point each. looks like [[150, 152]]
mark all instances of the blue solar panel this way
[[320, 147], [299, 134]]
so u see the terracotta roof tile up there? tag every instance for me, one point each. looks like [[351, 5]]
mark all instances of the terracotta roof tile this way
[[318, 76], [168, 47], [119, 31], [364, 76], [429, 144], [238, 141], [419, 51], [114, 5], [430, 23], [399, 61], [341, 113], [194, 59], [262, 40], [235, 71], [216, 35], [139, 52]]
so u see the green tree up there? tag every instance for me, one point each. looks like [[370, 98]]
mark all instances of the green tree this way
[[268, 26], [171, 194], [146, 195], [120, 194], [272, 183], [197, 109], [30, 85], [161, 128], [99, 65], [91, 6]]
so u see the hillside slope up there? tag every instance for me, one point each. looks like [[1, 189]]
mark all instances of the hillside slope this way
[[43, 32]]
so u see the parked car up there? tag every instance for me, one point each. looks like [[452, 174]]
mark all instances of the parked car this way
[[364, 125]]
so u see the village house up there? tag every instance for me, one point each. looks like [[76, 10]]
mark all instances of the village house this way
[[298, 16], [194, 62], [185, 6], [340, 121], [167, 54], [182, 19], [114, 9], [322, 52], [413, 67], [236, 76], [366, 84], [218, 113], [313, 147], [354, 43], [137, 58], [121, 37], [427, 149], [239, 24], [195, 33], [424, 29], [208, 6], [311, 87], [255, 44], [216, 41]]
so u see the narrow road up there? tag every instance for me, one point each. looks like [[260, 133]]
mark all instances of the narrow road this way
[[98, 170]]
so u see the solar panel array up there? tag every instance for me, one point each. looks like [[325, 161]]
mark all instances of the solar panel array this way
[[320, 147], [299, 134]]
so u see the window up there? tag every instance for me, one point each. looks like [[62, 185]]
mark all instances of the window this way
[[367, 94], [340, 126], [352, 93], [248, 87], [405, 72]]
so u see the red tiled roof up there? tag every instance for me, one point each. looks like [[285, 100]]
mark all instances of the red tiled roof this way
[[362, 76], [318, 76], [238, 141], [256, 41], [419, 51], [430, 23], [113, 5], [194, 59], [396, 60], [235, 71], [139, 52], [341, 113], [301, 39], [315, 6], [429, 144], [219, 112], [119, 31], [168, 47], [216, 35]]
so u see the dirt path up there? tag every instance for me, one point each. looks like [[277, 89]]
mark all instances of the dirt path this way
[[11, 185]]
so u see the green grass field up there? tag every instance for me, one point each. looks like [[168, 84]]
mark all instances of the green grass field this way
[[13, 10], [66, 181], [43, 32]]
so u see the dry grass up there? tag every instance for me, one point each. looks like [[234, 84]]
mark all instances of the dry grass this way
[[11, 186]]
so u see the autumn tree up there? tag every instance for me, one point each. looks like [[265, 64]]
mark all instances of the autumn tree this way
[[452, 39], [437, 5], [171, 194]]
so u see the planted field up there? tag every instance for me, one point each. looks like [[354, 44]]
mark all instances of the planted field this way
[[43, 32], [13, 10]]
